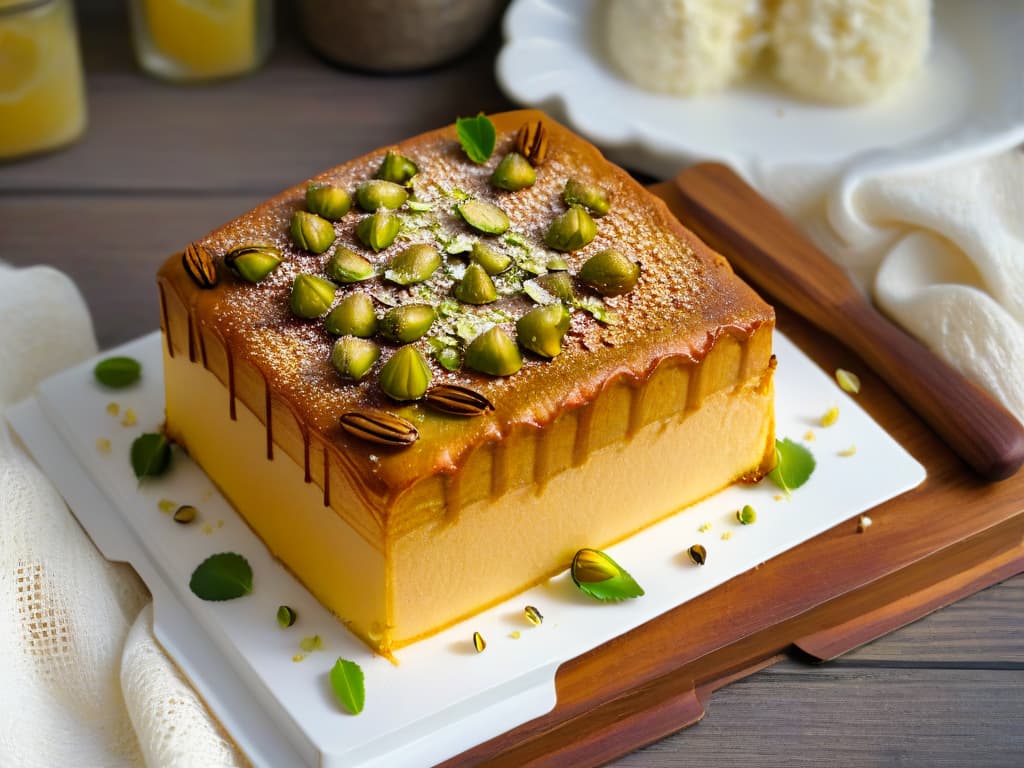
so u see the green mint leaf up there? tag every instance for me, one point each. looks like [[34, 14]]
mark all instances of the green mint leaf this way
[[477, 137], [151, 455], [349, 685], [597, 575], [793, 465], [224, 576], [117, 372]]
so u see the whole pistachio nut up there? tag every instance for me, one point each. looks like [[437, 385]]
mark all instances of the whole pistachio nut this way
[[407, 322], [378, 230], [346, 266], [413, 265], [484, 217], [406, 375], [494, 353], [542, 328], [557, 264], [610, 272], [378, 193], [494, 262], [353, 357], [558, 284], [570, 231], [311, 296], [513, 173], [397, 168], [476, 286], [590, 196], [327, 201], [354, 316], [252, 263], [311, 232]]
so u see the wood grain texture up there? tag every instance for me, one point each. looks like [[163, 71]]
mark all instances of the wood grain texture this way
[[161, 165]]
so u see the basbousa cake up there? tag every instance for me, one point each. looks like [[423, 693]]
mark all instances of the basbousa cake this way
[[522, 371]]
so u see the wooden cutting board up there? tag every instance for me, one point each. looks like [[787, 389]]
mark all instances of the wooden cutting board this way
[[952, 536]]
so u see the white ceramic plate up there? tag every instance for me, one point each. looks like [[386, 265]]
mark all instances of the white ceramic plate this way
[[968, 100], [443, 698]]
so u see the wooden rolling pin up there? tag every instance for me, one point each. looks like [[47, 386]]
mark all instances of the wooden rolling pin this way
[[767, 248]]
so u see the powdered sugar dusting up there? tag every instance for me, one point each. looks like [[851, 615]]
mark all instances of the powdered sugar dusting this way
[[670, 300]]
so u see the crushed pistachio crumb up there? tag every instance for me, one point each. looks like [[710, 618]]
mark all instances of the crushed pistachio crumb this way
[[809, 436], [312, 643], [167, 506], [130, 419], [515, 635], [113, 409], [847, 452], [831, 417], [298, 657], [220, 523], [727, 535], [207, 529], [778, 497], [704, 527], [863, 523], [103, 445], [848, 381]]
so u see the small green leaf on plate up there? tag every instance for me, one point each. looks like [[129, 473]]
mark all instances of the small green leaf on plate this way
[[793, 465], [602, 578], [224, 576], [117, 372], [476, 135], [151, 454], [348, 685]]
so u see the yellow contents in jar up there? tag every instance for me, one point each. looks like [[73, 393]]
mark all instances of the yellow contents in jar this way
[[42, 95], [204, 38]]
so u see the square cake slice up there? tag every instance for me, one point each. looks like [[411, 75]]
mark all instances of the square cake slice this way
[[428, 397]]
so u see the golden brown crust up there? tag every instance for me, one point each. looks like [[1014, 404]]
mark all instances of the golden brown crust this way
[[686, 300]]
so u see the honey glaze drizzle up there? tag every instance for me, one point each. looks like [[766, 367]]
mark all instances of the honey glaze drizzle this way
[[542, 458], [269, 418], [745, 360], [327, 475], [636, 407], [167, 323], [231, 382], [695, 384], [584, 429], [499, 469], [308, 476], [452, 496], [191, 340], [202, 347]]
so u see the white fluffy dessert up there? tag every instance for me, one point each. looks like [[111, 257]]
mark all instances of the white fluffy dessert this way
[[685, 47], [848, 51]]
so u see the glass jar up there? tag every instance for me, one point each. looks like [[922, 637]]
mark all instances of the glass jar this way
[[187, 40], [42, 90]]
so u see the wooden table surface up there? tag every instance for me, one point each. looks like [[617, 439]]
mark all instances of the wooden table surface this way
[[163, 164]]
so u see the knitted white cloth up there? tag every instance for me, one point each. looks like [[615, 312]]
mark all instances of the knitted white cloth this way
[[84, 682], [941, 250]]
